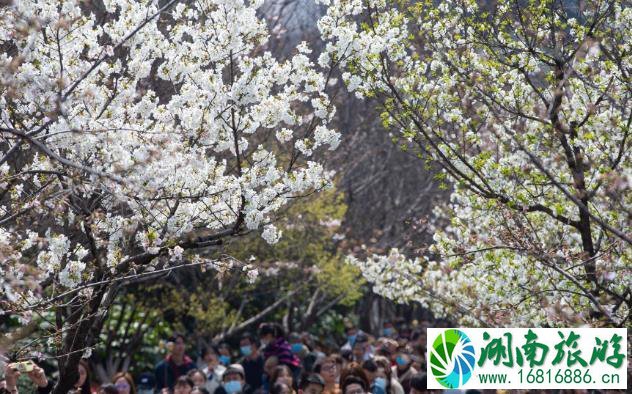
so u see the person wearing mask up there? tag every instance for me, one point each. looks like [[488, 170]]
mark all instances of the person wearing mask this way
[[224, 354], [351, 332], [311, 383], [327, 368], [213, 369], [252, 361], [377, 379], [384, 369], [176, 364], [124, 383], [233, 382], [403, 370], [388, 330], [297, 346], [362, 349]]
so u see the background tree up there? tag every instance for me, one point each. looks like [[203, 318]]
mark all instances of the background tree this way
[[525, 106], [134, 135]]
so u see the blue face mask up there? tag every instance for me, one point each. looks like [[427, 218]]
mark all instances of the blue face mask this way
[[401, 361], [224, 359], [233, 386], [351, 339], [388, 331], [297, 347], [380, 383], [246, 350]]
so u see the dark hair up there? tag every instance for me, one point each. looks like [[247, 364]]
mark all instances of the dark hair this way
[[251, 338], [353, 379], [271, 328], [326, 360], [184, 380], [369, 365], [128, 378], [108, 388], [85, 387], [278, 388], [232, 371], [209, 349], [354, 369], [177, 335], [311, 378], [278, 370], [192, 373], [419, 381]]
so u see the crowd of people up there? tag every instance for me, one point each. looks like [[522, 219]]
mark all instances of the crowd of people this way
[[272, 362]]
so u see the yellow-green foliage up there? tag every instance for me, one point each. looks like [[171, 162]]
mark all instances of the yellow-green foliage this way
[[308, 230]]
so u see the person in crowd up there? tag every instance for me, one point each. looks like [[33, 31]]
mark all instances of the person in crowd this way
[[280, 388], [362, 348], [213, 369], [419, 383], [44, 385], [327, 368], [84, 384], [378, 381], [145, 383], [252, 361], [176, 364], [297, 346], [124, 383], [282, 374], [311, 383], [224, 354], [354, 385], [272, 336], [199, 390], [384, 369], [269, 365], [388, 329], [355, 369], [183, 385], [403, 371], [351, 332], [108, 388], [233, 382], [198, 377]]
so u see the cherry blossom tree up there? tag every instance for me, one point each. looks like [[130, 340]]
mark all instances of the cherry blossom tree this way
[[526, 108], [135, 134]]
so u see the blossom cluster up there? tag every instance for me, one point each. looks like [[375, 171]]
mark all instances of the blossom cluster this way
[[532, 130], [130, 129]]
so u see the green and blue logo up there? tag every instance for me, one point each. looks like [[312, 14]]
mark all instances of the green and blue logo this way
[[452, 358]]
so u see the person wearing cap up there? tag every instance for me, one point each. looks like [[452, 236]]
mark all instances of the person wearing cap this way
[[311, 383], [145, 384], [233, 381], [176, 364], [252, 361]]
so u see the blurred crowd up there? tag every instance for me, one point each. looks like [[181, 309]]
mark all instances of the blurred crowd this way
[[273, 362]]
